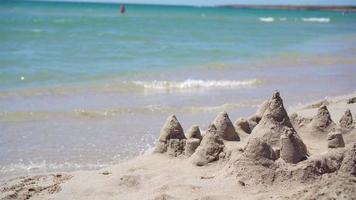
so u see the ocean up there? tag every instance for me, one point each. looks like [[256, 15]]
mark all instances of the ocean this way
[[83, 86]]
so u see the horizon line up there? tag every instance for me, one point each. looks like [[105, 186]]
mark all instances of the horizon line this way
[[242, 6]]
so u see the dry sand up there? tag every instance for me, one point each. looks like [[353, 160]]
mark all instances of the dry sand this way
[[280, 156]]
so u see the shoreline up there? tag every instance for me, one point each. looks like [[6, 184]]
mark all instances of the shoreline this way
[[162, 176]]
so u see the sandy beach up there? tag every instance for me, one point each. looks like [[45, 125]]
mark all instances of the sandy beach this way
[[177, 100], [309, 153]]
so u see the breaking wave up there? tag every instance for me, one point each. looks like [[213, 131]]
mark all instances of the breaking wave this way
[[195, 84], [315, 19], [266, 19]]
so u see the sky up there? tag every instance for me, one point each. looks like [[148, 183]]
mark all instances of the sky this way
[[223, 2]]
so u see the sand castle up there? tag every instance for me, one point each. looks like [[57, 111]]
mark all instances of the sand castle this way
[[272, 137], [272, 143]]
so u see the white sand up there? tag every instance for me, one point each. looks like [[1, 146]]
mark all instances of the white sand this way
[[325, 174]]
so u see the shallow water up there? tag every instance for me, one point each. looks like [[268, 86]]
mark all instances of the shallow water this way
[[82, 87]]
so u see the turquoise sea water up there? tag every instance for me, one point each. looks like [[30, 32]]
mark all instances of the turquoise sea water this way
[[82, 86]]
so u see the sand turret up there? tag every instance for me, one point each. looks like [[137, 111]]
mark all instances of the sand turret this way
[[191, 145], [225, 128], [274, 122], [348, 165], [257, 149], [346, 120], [335, 140], [322, 122], [172, 138], [193, 140], [209, 149], [292, 150], [194, 132]]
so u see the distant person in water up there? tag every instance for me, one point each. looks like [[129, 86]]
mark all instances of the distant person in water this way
[[122, 9]]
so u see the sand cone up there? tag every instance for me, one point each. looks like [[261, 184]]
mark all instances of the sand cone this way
[[346, 120], [209, 149], [322, 122], [225, 128], [335, 140], [293, 150], [194, 132], [274, 122], [171, 130]]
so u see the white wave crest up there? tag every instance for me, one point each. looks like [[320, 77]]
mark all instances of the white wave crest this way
[[315, 19], [266, 19], [195, 84]]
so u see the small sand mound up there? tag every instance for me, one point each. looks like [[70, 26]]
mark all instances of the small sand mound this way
[[274, 122], [194, 132], [348, 165], [257, 149], [346, 120], [322, 122], [335, 140], [293, 150], [225, 128], [210, 147], [191, 145], [242, 125], [172, 138]]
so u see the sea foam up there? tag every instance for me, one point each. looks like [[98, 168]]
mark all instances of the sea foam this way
[[266, 19], [195, 84], [315, 19]]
